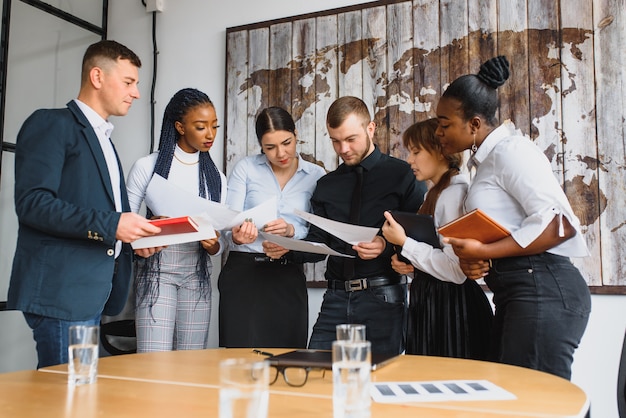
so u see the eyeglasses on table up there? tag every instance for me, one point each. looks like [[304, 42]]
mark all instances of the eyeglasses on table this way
[[294, 376]]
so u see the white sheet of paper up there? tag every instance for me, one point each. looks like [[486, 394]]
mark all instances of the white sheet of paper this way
[[166, 199], [438, 390], [300, 245], [205, 231], [260, 214], [222, 217], [352, 234]]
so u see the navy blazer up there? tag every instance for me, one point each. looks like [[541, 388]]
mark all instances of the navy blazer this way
[[64, 265]]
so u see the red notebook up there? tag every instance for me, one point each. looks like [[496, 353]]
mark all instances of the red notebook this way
[[180, 225], [475, 224]]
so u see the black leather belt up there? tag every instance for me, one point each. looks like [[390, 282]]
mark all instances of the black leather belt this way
[[362, 284], [257, 258], [261, 259]]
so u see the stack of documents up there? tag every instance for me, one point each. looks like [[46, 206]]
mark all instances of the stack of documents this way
[[166, 199]]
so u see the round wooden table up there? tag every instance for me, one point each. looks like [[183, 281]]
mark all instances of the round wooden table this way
[[186, 383]]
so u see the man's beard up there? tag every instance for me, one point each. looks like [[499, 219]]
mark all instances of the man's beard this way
[[364, 153]]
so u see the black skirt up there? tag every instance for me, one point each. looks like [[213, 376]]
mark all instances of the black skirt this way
[[447, 319], [262, 304]]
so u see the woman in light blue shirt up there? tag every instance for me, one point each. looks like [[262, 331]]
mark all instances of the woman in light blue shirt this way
[[263, 302], [542, 301]]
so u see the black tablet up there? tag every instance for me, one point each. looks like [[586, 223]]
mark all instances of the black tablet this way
[[320, 359], [418, 226]]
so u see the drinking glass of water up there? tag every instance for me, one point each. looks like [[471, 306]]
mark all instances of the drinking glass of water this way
[[352, 332], [244, 388], [83, 354], [351, 379]]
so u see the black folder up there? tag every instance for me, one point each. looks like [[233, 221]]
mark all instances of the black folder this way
[[418, 226], [320, 359]]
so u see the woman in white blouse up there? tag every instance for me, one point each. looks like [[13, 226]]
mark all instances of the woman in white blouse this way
[[542, 301], [173, 287], [448, 315]]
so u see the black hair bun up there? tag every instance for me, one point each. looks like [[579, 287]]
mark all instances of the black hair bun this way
[[494, 72]]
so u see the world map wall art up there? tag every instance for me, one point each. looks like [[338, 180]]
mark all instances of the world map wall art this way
[[567, 90]]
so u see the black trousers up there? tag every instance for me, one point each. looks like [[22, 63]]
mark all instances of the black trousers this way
[[382, 309], [262, 304], [542, 308]]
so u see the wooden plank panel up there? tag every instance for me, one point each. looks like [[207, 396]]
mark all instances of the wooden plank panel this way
[[580, 157], [374, 21], [427, 58], [326, 87], [258, 90], [280, 58], [326, 76], [303, 86], [482, 39], [303, 97], [236, 104], [513, 43], [544, 72], [453, 29], [483, 31], [454, 47], [351, 52], [610, 53], [400, 94]]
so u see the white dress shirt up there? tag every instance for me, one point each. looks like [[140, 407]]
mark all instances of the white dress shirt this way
[[103, 129], [515, 185], [441, 263]]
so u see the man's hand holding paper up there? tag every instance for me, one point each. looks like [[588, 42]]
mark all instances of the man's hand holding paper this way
[[365, 240], [285, 243], [370, 250]]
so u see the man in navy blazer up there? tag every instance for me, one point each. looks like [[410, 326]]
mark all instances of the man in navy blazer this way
[[73, 260]]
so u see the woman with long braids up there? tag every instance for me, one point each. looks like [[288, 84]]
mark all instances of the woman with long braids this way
[[173, 287], [263, 301], [542, 301], [449, 316]]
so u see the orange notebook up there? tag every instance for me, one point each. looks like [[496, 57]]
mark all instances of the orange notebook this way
[[180, 225], [475, 224]]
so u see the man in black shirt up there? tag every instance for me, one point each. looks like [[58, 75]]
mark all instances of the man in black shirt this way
[[365, 289]]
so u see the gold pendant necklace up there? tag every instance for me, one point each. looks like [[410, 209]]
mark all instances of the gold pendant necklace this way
[[183, 162]]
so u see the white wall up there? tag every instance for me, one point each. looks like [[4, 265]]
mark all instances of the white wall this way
[[191, 43]]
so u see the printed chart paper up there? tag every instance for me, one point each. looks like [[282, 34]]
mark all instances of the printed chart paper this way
[[438, 390]]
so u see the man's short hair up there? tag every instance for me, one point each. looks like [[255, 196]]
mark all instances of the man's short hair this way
[[103, 52], [345, 106]]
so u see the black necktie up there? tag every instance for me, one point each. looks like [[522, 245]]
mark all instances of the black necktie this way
[[355, 210]]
